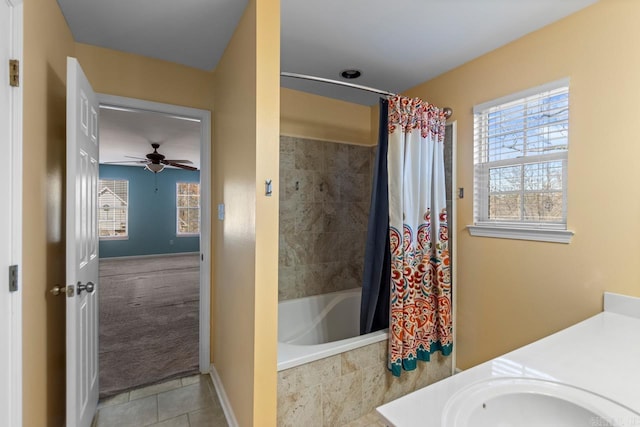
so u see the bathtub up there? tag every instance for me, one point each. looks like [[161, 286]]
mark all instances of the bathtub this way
[[320, 326], [584, 375]]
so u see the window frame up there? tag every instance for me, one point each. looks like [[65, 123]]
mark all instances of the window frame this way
[[552, 231], [126, 211], [199, 208]]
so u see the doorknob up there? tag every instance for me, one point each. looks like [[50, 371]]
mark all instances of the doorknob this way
[[57, 290], [62, 290], [89, 287]]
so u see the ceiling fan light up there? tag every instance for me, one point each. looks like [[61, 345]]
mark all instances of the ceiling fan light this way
[[155, 167]]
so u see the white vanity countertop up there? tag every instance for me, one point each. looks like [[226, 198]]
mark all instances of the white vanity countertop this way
[[600, 354]]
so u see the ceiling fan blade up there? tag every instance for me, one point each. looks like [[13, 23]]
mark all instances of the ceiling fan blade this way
[[178, 165], [136, 157], [177, 161], [127, 161]]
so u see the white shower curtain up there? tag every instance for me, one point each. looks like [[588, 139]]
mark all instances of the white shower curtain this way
[[420, 317]]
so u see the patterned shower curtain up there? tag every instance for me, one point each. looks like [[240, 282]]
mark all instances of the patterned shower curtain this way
[[420, 317]]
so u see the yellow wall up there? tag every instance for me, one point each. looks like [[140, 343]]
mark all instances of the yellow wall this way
[[512, 292], [265, 350], [47, 42], [311, 116], [245, 153], [134, 76]]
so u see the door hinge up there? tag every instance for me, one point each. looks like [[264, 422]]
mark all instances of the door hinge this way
[[13, 278], [14, 73]]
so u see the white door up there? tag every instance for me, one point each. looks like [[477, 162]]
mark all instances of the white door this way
[[5, 214], [82, 248], [10, 222]]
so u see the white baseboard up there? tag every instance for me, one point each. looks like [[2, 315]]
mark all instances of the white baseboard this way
[[149, 256], [224, 400]]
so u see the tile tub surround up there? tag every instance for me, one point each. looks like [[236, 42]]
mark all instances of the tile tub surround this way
[[599, 355], [340, 389], [324, 208]]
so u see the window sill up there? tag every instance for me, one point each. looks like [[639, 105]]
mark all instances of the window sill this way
[[115, 238], [188, 235], [536, 234]]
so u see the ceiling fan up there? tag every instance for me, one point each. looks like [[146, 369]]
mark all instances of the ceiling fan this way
[[155, 162]]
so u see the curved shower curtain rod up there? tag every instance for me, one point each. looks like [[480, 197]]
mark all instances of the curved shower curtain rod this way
[[447, 111]]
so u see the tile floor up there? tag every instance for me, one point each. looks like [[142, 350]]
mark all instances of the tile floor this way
[[182, 402]]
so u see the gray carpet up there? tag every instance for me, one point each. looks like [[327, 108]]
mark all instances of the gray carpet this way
[[148, 321]]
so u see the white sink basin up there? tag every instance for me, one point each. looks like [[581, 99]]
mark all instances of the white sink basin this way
[[527, 402]]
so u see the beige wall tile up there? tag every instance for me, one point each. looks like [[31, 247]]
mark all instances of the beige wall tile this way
[[318, 372], [303, 408], [326, 187], [336, 157], [368, 420], [352, 187], [439, 367], [287, 254], [359, 161], [323, 215], [342, 399], [364, 358], [310, 279], [287, 145], [383, 351], [354, 383], [286, 281], [309, 218], [336, 216], [287, 382], [298, 185], [374, 388], [309, 155], [287, 221], [358, 214]]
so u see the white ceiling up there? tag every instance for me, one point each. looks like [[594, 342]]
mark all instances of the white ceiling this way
[[396, 44], [189, 32], [130, 133], [402, 43]]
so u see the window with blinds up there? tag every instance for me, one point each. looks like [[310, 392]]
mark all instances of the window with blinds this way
[[113, 209], [520, 158], [188, 208]]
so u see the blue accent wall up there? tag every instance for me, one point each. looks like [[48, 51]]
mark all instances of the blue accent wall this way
[[152, 214]]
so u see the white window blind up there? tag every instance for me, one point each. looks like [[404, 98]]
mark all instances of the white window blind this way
[[113, 212], [520, 159], [188, 208]]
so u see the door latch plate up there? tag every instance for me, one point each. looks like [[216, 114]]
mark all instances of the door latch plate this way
[[13, 278]]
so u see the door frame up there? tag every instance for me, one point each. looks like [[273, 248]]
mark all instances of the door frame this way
[[16, 146], [205, 203], [453, 225]]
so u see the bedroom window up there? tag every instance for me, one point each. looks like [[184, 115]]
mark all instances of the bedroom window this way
[[521, 144], [188, 208], [113, 209]]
